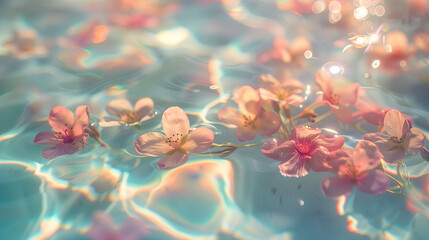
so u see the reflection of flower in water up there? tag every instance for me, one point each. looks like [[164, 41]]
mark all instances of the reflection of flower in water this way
[[23, 45]]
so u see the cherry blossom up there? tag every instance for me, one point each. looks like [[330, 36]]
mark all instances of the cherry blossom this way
[[177, 142], [284, 52], [103, 228], [124, 113], [355, 167], [282, 92], [339, 99], [251, 117], [401, 137], [69, 134], [306, 149]]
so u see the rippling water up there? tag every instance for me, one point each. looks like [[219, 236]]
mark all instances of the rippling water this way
[[194, 56]]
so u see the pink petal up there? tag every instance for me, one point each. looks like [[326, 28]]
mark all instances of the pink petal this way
[[373, 182], [325, 83], [304, 133], [278, 149], [338, 158], [152, 144], [294, 100], [344, 114], [366, 156], [102, 227], [60, 119], [349, 95], [267, 123], [47, 138], [374, 117], [294, 167], [249, 101], [336, 186], [245, 134], [175, 121], [331, 142], [144, 108], [199, 140], [132, 229], [292, 85], [417, 140], [106, 123], [392, 152], [59, 150], [118, 107], [317, 160], [81, 120], [231, 116], [269, 83], [173, 160], [396, 124], [267, 95]]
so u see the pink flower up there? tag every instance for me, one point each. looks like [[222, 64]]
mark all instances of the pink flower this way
[[355, 167], [68, 136], [306, 149], [251, 118], [401, 137], [339, 99], [283, 52], [177, 142], [124, 113], [282, 92], [103, 228]]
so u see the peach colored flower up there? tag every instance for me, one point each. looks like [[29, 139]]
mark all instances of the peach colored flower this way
[[123, 113], [306, 149], [251, 117], [177, 142], [401, 137], [284, 52], [282, 92], [355, 167], [69, 132], [23, 45], [103, 228]]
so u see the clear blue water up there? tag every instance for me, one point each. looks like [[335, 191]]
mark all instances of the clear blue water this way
[[195, 55]]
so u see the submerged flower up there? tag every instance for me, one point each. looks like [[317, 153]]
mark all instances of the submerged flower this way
[[177, 142], [23, 45], [306, 149], [251, 117], [282, 92], [124, 113], [69, 132], [401, 137], [355, 167], [103, 228], [339, 99]]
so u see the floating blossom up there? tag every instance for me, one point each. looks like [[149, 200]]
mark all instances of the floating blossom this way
[[69, 132], [103, 228], [306, 149], [251, 117], [282, 92], [177, 142], [283, 52], [355, 167], [124, 113], [23, 45], [401, 137], [339, 99]]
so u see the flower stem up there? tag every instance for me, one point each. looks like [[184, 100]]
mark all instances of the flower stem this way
[[320, 118], [283, 129]]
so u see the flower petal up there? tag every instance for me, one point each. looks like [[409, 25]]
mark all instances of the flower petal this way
[[118, 107], [81, 120], [294, 167], [47, 138], [338, 158], [144, 108], [267, 95], [152, 144], [344, 114], [199, 140], [392, 152], [231, 116], [304, 133], [395, 123], [373, 182], [278, 149], [267, 123], [348, 95], [417, 140], [175, 121], [245, 134], [173, 160], [294, 100], [249, 101], [268, 82], [317, 160], [60, 119], [102, 227], [366, 156], [325, 83], [331, 142], [59, 150], [336, 186]]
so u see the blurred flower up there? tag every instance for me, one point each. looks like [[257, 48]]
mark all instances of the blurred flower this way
[[23, 45], [251, 117], [306, 149], [124, 113], [103, 228], [177, 142], [282, 92], [355, 167], [69, 132], [401, 137], [339, 99], [283, 52], [421, 41], [419, 7]]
